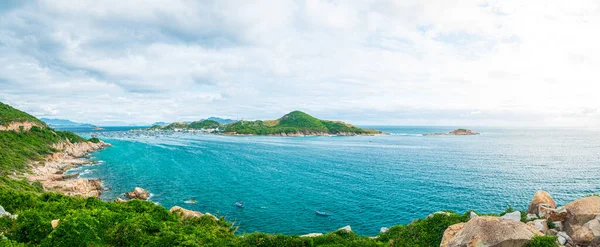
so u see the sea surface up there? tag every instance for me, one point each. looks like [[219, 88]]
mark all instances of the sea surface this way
[[366, 182]]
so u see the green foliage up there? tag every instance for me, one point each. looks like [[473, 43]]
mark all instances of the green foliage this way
[[9, 115], [337, 238], [176, 125], [94, 140], [205, 124], [542, 241], [17, 148], [422, 232], [295, 122]]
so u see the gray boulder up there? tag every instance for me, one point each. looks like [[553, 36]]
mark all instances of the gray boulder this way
[[493, 232]]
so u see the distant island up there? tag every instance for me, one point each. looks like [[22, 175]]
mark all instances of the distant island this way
[[456, 132], [62, 123], [295, 123]]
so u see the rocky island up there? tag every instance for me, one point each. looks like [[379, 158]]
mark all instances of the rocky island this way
[[295, 123], [456, 132]]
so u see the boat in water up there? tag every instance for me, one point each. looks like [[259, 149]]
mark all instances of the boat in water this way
[[323, 213], [240, 204], [190, 201]]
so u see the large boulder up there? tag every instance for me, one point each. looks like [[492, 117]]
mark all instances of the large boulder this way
[[185, 213], [138, 193], [450, 232], [493, 232], [541, 202], [583, 219]]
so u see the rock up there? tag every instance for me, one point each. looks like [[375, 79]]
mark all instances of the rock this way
[[311, 235], [54, 223], [383, 229], [540, 225], [558, 225], [531, 217], [138, 193], [551, 232], [185, 213], [493, 231], [540, 202], [562, 237], [472, 215], [595, 242], [345, 228], [450, 232], [2, 211], [516, 215], [558, 214], [120, 200], [582, 223]]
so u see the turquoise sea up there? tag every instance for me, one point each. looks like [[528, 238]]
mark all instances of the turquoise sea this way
[[366, 181]]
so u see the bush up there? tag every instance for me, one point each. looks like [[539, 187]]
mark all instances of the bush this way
[[94, 140], [422, 232], [542, 241]]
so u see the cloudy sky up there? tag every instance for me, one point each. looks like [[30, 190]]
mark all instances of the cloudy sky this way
[[445, 62]]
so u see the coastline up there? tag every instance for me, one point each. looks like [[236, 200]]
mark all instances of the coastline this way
[[51, 172]]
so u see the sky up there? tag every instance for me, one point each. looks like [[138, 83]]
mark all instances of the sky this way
[[421, 62]]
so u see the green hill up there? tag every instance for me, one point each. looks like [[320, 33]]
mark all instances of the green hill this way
[[17, 148], [196, 125], [295, 123], [205, 124], [9, 114]]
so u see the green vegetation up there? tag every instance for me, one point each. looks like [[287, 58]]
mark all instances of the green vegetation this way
[[542, 241], [295, 122], [9, 115], [205, 124], [94, 140], [92, 222], [18, 148]]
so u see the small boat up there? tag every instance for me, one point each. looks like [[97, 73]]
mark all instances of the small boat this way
[[190, 201], [240, 204], [323, 213]]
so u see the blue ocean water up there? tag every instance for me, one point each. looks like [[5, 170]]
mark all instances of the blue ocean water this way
[[366, 181]]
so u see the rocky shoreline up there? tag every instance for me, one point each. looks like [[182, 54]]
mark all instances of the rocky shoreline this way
[[50, 173], [575, 224]]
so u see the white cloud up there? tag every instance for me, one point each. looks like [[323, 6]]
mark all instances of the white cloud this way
[[409, 62]]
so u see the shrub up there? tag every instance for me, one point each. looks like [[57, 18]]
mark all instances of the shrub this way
[[542, 241]]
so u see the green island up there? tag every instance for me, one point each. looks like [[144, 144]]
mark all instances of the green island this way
[[33, 216], [295, 123]]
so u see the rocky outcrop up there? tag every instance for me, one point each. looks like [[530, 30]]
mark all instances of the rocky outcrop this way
[[456, 132], [18, 126], [138, 193], [50, 173], [450, 232], [541, 203], [582, 223], [185, 213], [491, 231]]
